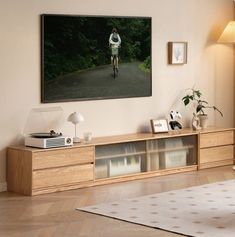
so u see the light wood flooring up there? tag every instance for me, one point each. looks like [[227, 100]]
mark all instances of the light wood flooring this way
[[55, 214]]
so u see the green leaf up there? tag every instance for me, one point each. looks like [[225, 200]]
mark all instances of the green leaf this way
[[199, 108], [203, 101], [216, 109], [198, 93], [186, 101]]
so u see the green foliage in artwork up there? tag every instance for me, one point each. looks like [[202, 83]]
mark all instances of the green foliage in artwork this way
[[146, 65], [79, 43]]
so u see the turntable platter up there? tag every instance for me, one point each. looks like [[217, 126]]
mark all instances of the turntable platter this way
[[46, 134]]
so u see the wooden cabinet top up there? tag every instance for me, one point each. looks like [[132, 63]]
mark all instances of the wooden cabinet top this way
[[215, 129], [96, 141]]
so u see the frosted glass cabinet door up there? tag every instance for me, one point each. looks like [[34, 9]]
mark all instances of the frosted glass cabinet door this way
[[152, 155], [171, 152], [120, 159]]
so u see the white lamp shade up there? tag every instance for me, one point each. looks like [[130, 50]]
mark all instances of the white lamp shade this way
[[75, 118], [228, 35]]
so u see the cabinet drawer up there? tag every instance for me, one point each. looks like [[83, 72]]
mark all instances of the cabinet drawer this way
[[65, 157], [216, 154], [216, 139], [62, 176]]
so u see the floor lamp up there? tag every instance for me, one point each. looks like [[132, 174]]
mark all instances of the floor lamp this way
[[228, 37]]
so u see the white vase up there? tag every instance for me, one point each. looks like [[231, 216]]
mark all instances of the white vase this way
[[203, 120]]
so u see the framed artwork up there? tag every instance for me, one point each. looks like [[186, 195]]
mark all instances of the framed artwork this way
[[177, 53], [159, 125], [95, 57]]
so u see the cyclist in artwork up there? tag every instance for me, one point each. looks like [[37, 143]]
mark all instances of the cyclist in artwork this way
[[114, 43]]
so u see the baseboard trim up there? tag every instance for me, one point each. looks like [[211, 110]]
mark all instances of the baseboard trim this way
[[3, 187]]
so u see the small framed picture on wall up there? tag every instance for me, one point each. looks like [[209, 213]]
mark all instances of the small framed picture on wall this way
[[177, 53], [159, 125]]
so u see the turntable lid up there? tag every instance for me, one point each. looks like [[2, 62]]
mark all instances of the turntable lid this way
[[43, 120]]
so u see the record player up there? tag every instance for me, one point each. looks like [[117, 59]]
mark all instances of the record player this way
[[45, 119], [48, 140]]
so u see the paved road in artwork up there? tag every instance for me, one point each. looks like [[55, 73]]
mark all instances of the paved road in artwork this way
[[99, 83]]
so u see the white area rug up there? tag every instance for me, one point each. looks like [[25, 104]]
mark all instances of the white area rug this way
[[205, 211]]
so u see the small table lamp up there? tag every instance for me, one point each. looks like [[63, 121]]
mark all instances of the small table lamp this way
[[228, 37], [76, 118]]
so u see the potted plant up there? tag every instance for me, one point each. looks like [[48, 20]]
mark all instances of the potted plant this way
[[195, 96]]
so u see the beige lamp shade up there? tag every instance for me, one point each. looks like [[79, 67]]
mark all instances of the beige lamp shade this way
[[228, 35]]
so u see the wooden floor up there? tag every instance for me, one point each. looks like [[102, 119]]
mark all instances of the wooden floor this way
[[55, 214]]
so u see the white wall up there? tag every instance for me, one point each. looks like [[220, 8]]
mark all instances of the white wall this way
[[210, 65]]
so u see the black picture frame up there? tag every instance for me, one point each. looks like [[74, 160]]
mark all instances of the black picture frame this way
[[76, 58]]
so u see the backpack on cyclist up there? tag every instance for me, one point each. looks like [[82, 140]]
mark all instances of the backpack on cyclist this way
[[115, 37]]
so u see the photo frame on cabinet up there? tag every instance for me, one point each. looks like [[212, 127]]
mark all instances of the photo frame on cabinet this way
[[159, 125], [177, 53]]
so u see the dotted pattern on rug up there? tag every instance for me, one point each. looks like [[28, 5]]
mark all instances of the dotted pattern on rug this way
[[201, 211]]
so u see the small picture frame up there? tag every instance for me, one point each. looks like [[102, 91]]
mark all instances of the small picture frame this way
[[177, 53], [159, 125]]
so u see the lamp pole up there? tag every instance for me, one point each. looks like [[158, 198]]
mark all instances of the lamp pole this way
[[228, 37]]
